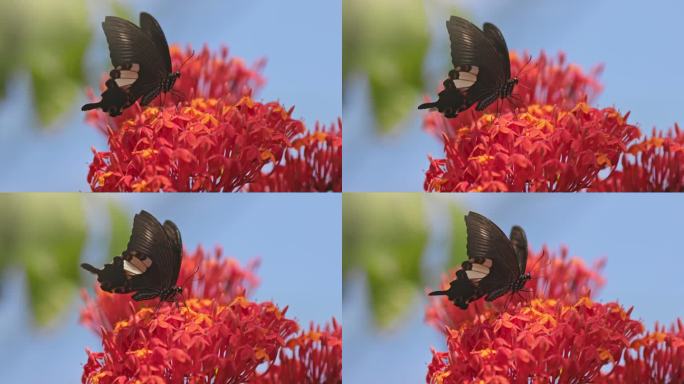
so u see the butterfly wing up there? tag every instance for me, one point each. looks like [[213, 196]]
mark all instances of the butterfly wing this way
[[480, 54], [174, 236], [149, 257], [150, 26], [130, 46], [494, 35], [493, 260], [519, 242]]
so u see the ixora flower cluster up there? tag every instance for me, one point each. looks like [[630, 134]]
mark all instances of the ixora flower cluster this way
[[216, 335], [558, 335], [209, 134], [554, 141]]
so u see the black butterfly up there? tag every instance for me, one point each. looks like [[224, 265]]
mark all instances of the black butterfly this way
[[482, 69], [495, 265], [150, 264], [141, 60]]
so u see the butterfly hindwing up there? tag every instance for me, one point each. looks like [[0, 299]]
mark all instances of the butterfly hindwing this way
[[150, 26], [519, 241]]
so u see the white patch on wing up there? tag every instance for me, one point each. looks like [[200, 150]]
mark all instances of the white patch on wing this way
[[467, 76], [125, 82], [473, 274], [136, 266], [127, 76], [480, 268]]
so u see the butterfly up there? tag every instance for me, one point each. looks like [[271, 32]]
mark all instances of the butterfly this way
[[142, 64], [482, 69], [495, 266], [150, 264]]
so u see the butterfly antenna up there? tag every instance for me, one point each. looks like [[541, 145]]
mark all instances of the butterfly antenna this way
[[186, 60], [193, 274], [520, 72]]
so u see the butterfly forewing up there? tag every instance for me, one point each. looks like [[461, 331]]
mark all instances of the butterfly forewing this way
[[470, 46], [496, 37]]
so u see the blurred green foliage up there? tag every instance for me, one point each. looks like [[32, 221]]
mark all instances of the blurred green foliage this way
[[46, 39], [387, 41], [44, 234], [384, 237]]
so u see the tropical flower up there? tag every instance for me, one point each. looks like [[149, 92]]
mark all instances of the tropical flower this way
[[556, 334], [546, 341], [215, 335], [554, 275], [543, 148], [312, 163], [654, 164], [656, 357], [203, 341], [203, 275], [311, 357], [208, 134], [548, 137]]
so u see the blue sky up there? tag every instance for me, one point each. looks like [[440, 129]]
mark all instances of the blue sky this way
[[633, 39], [639, 234], [301, 40], [296, 236]]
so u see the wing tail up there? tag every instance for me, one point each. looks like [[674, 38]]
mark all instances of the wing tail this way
[[90, 268], [432, 104]]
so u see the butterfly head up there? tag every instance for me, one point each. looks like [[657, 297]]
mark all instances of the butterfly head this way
[[172, 294]]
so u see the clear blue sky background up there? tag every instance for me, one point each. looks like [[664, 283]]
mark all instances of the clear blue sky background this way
[[639, 234], [634, 39], [296, 236], [301, 40]]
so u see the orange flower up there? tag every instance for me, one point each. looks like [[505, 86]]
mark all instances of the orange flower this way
[[210, 134]]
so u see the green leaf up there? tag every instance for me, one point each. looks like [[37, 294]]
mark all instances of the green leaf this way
[[45, 233], [120, 228], [387, 40], [458, 253], [48, 39], [384, 236]]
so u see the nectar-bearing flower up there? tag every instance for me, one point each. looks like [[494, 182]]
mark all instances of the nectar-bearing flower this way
[[545, 340], [652, 164], [553, 275], [310, 357], [215, 334], [547, 137], [557, 333], [209, 134], [313, 163], [541, 148], [203, 275]]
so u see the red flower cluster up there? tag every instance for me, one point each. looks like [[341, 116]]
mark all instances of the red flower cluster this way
[[312, 163], [557, 335], [202, 275], [528, 151], [546, 341], [657, 357], [654, 164], [554, 276], [213, 138], [216, 335], [311, 357], [557, 142], [205, 342]]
